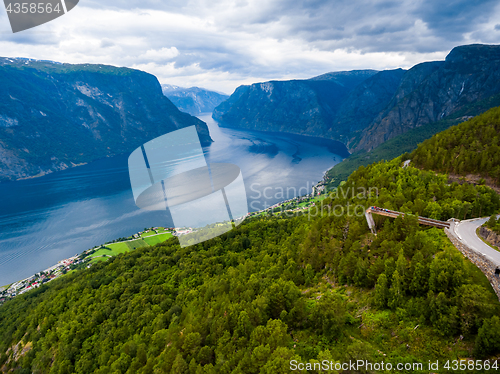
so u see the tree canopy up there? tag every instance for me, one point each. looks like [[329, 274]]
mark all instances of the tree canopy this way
[[309, 287], [469, 147]]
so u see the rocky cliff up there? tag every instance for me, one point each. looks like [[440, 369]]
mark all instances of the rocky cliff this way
[[432, 91], [193, 100], [54, 116], [306, 107], [371, 107], [490, 236]]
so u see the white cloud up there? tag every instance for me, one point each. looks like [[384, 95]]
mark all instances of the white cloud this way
[[159, 55], [221, 44]]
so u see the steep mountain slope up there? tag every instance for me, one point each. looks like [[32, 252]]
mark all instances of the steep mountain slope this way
[[300, 106], [472, 147], [53, 116], [364, 103], [406, 142], [193, 100], [434, 91], [317, 286], [376, 109]]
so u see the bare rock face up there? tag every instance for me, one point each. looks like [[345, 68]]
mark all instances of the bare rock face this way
[[54, 116], [306, 107], [431, 91], [490, 236], [365, 108]]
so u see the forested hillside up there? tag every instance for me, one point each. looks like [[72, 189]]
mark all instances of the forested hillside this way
[[392, 148], [313, 287], [472, 147], [407, 142]]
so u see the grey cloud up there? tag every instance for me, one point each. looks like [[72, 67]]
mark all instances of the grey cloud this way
[[454, 17], [171, 5], [107, 43], [373, 26], [31, 37], [208, 59], [379, 29], [224, 35], [364, 25]]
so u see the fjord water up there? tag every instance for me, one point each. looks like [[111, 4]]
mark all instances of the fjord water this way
[[46, 219]]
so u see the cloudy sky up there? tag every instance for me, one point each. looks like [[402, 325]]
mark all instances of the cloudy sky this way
[[221, 44]]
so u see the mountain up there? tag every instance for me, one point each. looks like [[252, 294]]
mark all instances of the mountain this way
[[406, 142], [472, 147], [193, 100], [54, 116], [373, 109], [299, 106], [433, 91], [276, 291]]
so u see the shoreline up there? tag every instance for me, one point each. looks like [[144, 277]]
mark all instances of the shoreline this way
[[84, 259], [78, 261]]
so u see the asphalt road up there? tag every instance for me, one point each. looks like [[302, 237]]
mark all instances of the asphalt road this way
[[466, 232]]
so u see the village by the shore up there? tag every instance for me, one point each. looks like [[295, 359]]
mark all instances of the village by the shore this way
[[78, 261], [83, 260]]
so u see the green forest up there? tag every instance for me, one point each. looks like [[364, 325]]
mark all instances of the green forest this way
[[470, 147], [308, 287], [494, 224], [410, 140]]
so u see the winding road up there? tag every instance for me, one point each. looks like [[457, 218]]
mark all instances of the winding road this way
[[466, 233]]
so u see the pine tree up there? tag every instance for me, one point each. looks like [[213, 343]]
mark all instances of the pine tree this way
[[381, 291], [396, 292]]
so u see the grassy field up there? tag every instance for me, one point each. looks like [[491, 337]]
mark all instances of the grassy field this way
[[119, 247], [150, 233], [134, 244], [313, 200], [152, 240], [98, 259], [111, 250], [115, 249]]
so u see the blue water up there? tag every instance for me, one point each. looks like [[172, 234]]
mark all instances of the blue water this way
[[44, 220]]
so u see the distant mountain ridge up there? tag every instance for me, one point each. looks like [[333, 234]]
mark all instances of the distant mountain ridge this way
[[306, 107], [432, 91], [54, 116], [193, 100], [375, 106]]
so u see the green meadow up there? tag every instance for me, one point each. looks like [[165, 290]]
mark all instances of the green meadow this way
[[114, 249]]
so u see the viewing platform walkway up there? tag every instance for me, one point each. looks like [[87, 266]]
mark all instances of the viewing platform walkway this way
[[464, 237], [392, 213]]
